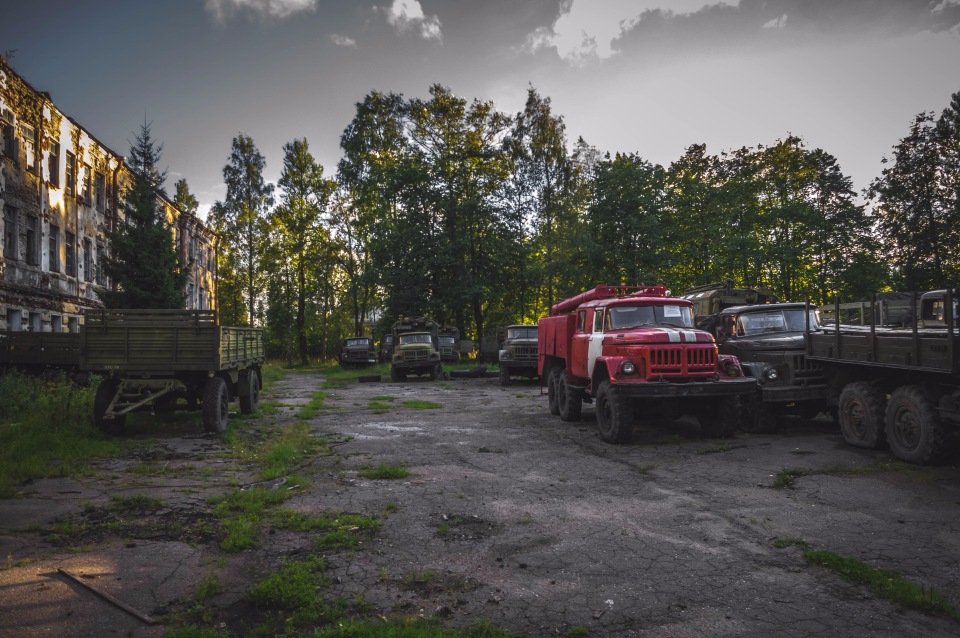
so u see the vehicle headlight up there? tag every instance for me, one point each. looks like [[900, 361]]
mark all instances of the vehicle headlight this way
[[732, 369], [504, 354], [628, 367], [772, 374]]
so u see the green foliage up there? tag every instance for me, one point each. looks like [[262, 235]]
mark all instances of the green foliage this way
[[406, 628], [293, 586], [384, 471], [421, 405]]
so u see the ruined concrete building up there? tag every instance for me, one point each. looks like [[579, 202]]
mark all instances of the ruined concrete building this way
[[61, 192]]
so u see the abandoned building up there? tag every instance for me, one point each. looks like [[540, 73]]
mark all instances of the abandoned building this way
[[61, 192]]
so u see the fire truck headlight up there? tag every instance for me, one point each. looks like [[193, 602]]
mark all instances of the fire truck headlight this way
[[732, 369], [628, 367]]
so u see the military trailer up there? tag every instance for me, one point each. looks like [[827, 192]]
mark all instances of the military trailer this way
[[518, 352], [42, 353], [357, 352], [415, 348], [152, 359]]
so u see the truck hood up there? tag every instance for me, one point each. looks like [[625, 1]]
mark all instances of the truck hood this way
[[780, 341], [657, 334]]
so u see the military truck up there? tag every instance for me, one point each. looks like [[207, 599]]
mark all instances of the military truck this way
[[151, 359], [518, 352], [449, 344], [633, 351], [386, 348], [357, 352], [415, 348], [710, 299], [769, 341]]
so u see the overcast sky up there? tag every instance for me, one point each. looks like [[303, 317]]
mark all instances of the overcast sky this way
[[645, 76]]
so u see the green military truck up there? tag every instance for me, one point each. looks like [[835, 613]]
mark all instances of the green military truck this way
[[710, 299], [449, 344], [357, 352], [415, 348], [518, 352], [151, 359]]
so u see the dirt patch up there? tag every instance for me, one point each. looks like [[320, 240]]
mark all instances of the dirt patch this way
[[507, 515]]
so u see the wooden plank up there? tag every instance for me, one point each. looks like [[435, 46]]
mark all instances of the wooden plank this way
[[119, 603]]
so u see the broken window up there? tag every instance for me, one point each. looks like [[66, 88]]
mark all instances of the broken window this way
[[56, 323], [29, 136], [73, 324], [87, 260], [53, 164], [70, 246], [54, 248], [87, 194], [9, 139], [10, 244], [35, 322], [33, 238], [100, 191], [71, 176], [14, 321], [101, 253]]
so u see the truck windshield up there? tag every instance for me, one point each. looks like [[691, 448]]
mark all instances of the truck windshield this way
[[776, 320], [625, 317], [357, 342], [414, 338], [522, 333], [447, 341]]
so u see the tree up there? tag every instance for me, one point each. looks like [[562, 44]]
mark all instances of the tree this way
[[243, 212], [184, 199], [144, 264]]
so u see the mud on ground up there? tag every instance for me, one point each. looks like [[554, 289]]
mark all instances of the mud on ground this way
[[508, 515]]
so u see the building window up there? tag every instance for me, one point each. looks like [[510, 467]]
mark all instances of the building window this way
[[53, 164], [35, 324], [14, 322], [33, 239], [29, 145], [73, 325], [101, 253], [100, 191], [87, 260], [87, 193], [70, 246], [54, 248], [9, 138], [10, 247], [71, 176], [56, 323]]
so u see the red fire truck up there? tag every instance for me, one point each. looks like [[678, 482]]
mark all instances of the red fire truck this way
[[634, 352]]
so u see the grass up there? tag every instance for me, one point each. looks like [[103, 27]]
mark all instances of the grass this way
[[726, 447], [884, 583], [293, 586], [311, 409], [337, 377], [421, 405], [383, 471], [407, 628], [785, 478]]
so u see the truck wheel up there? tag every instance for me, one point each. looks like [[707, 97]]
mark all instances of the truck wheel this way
[[722, 418], [552, 400], [758, 417], [433, 372], [504, 376], [614, 414], [913, 427], [216, 406], [861, 415], [394, 375], [251, 381], [101, 401], [569, 400]]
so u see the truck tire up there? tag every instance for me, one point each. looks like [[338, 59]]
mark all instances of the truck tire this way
[[101, 401], [569, 400], [861, 411], [434, 372], [758, 417], [216, 406], [251, 381], [395, 375], [722, 418], [913, 427], [552, 399], [504, 376], [614, 414]]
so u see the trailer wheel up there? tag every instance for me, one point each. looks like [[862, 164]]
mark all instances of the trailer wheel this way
[[216, 406], [721, 418], [552, 400], [101, 401], [758, 417], [614, 414], [861, 415], [913, 427], [251, 381], [504, 376], [569, 400]]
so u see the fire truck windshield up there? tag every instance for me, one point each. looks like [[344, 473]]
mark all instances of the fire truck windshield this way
[[626, 317]]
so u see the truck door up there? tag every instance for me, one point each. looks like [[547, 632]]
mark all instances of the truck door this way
[[596, 341], [579, 349]]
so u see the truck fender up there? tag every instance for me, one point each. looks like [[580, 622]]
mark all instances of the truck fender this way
[[754, 369], [728, 366]]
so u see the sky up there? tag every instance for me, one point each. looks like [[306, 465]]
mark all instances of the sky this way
[[650, 77]]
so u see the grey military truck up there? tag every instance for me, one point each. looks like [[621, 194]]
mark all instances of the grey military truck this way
[[357, 352], [518, 352]]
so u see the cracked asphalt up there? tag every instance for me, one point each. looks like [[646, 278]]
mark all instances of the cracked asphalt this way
[[514, 517]]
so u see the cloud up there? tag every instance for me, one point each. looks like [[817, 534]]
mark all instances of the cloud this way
[[342, 40], [224, 9], [407, 16]]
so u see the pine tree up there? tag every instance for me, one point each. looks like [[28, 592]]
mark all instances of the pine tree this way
[[143, 262]]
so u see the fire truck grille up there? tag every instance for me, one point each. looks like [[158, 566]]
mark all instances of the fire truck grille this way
[[683, 360]]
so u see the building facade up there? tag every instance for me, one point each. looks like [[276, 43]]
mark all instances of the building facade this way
[[61, 193]]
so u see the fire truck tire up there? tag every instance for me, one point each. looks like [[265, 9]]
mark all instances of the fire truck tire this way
[[913, 427], [862, 415], [101, 401], [504, 375], [250, 403], [614, 414], [552, 400], [569, 400], [216, 406], [758, 417], [722, 418]]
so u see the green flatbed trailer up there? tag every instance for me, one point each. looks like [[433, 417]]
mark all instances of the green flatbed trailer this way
[[151, 360], [40, 352]]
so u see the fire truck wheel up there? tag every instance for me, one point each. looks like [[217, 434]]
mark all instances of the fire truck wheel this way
[[722, 418], [101, 401], [758, 416], [552, 400], [614, 414], [861, 415], [913, 427], [569, 400]]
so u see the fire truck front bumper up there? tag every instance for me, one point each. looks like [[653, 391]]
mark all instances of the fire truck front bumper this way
[[706, 388]]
